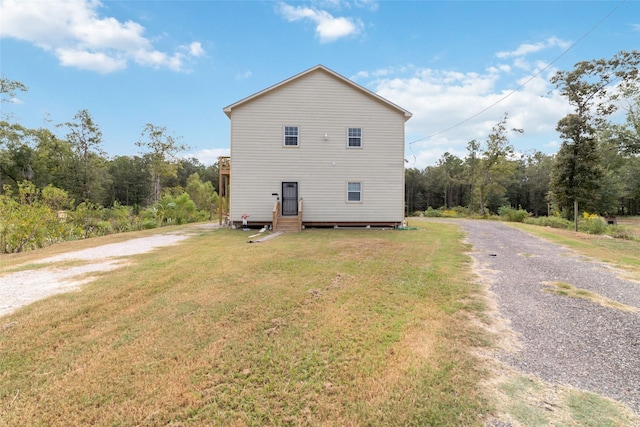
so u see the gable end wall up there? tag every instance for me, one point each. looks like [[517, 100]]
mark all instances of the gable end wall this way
[[318, 104]]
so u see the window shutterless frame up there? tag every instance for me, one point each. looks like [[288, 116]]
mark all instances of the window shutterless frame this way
[[354, 138], [291, 136], [354, 191]]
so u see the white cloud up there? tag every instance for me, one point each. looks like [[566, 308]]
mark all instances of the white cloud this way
[[367, 4], [529, 48], [93, 61], [554, 144], [208, 156], [74, 31], [244, 76], [371, 5], [328, 27], [449, 108], [196, 50], [519, 56]]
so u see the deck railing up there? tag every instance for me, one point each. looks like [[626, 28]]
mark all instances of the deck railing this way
[[224, 163], [277, 212], [275, 215], [224, 178], [300, 215]]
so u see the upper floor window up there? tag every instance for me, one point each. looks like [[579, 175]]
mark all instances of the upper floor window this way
[[354, 138], [291, 136]]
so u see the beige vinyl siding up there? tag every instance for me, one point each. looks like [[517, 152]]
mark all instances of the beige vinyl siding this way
[[318, 103]]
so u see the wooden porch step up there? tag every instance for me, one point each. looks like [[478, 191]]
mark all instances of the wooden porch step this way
[[287, 223]]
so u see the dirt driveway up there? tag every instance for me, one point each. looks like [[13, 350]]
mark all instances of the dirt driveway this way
[[574, 341], [26, 286]]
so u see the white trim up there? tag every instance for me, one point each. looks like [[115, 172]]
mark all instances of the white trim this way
[[359, 192], [284, 136], [349, 137]]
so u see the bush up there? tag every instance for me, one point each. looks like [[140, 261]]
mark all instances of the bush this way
[[457, 212], [592, 224], [510, 214], [432, 213], [148, 224], [550, 221], [102, 228], [461, 211], [27, 223], [170, 210], [32, 218], [120, 217]]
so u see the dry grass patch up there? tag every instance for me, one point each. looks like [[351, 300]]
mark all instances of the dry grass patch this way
[[632, 223], [567, 290], [324, 327], [526, 400], [623, 254]]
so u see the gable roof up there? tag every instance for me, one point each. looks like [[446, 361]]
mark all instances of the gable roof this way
[[407, 115]]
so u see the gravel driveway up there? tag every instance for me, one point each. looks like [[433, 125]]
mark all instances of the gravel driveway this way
[[24, 287], [566, 340]]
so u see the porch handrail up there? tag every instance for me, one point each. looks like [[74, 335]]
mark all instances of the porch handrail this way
[[275, 215]]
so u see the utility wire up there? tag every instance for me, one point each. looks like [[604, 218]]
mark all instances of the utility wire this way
[[527, 81]]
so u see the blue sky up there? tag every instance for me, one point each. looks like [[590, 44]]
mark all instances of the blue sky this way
[[178, 63]]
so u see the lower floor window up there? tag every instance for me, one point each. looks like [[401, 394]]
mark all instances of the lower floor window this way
[[354, 191]]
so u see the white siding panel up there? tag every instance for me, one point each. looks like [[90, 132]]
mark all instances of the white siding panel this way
[[318, 104]]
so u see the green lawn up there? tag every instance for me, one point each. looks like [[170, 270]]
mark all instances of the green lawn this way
[[324, 327], [320, 328]]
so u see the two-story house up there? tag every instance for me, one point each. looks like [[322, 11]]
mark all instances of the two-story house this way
[[316, 149]]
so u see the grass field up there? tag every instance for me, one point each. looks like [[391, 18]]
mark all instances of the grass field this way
[[318, 328], [631, 222], [620, 253]]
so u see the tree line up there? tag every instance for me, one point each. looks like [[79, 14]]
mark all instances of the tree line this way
[[57, 183], [596, 168]]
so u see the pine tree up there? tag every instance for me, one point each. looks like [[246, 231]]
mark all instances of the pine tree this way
[[591, 89]]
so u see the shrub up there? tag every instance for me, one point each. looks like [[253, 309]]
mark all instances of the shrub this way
[[173, 210], [86, 216], [26, 223], [184, 210], [432, 213], [102, 228], [550, 221], [148, 224], [592, 224], [510, 214], [462, 211], [56, 198], [120, 217]]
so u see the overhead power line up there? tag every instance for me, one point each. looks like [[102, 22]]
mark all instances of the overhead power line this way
[[527, 81]]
